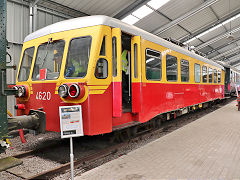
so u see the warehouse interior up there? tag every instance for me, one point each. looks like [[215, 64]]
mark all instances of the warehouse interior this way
[[208, 27], [170, 104]]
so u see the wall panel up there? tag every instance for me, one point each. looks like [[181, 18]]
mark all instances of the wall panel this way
[[17, 30]]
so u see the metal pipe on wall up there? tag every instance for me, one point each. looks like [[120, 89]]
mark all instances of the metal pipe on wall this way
[[30, 18], [35, 17]]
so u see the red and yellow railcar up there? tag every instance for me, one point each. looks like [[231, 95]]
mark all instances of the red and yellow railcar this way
[[162, 76]]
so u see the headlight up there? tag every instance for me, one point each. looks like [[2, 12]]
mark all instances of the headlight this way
[[74, 91], [63, 91], [21, 91]]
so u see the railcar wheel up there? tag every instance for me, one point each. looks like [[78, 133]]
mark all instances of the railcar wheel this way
[[124, 135], [158, 123], [133, 131], [114, 138], [120, 136]]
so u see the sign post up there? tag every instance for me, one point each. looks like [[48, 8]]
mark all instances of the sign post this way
[[71, 126], [71, 158]]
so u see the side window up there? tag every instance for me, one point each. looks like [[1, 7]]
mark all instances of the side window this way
[[78, 57], [103, 48], [171, 68], [26, 64], [204, 74], [114, 56], [184, 70], [197, 73], [219, 76], [210, 75], [153, 62], [101, 71], [215, 76], [135, 60]]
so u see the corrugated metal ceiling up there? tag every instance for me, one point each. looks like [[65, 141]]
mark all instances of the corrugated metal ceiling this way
[[173, 10], [96, 7]]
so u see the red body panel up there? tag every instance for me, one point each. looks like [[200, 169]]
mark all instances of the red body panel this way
[[136, 97], [96, 110], [159, 98], [50, 105], [149, 100], [117, 99]]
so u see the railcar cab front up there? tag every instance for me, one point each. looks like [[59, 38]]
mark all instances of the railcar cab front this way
[[82, 67]]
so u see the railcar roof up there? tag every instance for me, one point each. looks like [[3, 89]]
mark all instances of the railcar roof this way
[[88, 21]]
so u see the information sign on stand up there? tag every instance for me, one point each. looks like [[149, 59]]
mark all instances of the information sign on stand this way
[[71, 126]]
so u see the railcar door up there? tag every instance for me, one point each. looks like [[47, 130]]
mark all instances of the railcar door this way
[[136, 74], [117, 72]]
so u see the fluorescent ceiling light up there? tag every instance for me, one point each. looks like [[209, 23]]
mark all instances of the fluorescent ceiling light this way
[[142, 12], [130, 19], [156, 4], [190, 40], [212, 29]]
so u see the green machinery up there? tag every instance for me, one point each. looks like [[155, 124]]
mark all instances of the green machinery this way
[[3, 93], [36, 120]]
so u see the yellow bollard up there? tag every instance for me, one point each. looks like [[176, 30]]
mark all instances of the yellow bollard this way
[[9, 113]]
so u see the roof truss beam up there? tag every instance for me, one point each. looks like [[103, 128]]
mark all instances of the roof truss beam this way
[[235, 59], [237, 62], [34, 2], [237, 65], [61, 8], [231, 51], [230, 57], [213, 40], [132, 7], [220, 21], [185, 16], [223, 46]]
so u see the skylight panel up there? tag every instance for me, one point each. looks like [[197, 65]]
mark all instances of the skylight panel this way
[[156, 4], [130, 19], [142, 12]]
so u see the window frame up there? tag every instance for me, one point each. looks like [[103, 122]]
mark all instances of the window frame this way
[[34, 48], [196, 64], [206, 74], [209, 75], [181, 69], [68, 50], [160, 58], [215, 80], [219, 73], [135, 60], [101, 58], [36, 57], [103, 43], [114, 58], [177, 68]]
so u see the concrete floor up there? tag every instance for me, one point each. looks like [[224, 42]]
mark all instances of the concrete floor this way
[[208, 148]]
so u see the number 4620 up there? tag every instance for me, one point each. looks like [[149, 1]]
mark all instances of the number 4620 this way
[[43, 95]]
